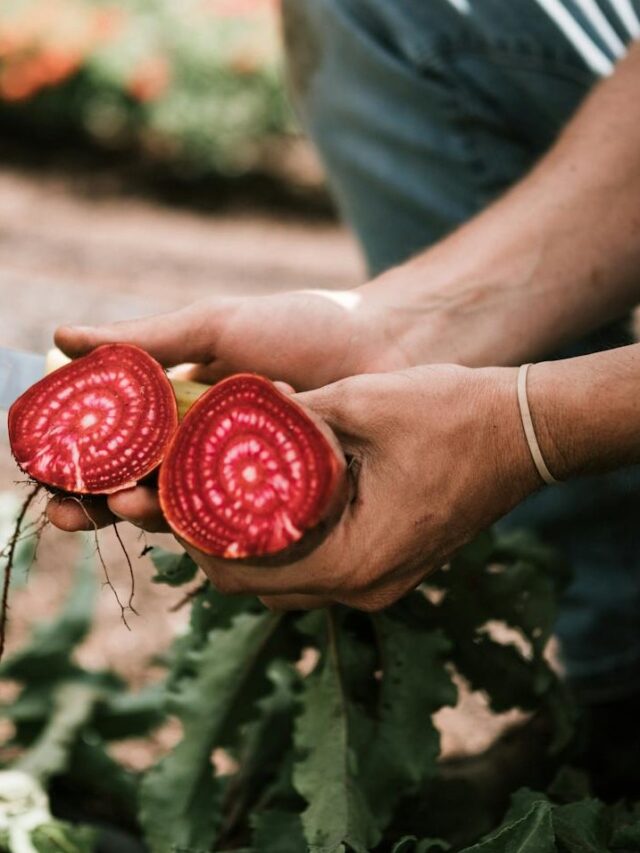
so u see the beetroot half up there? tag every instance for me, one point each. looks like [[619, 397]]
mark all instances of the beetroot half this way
[[97, 425], [250, 471]]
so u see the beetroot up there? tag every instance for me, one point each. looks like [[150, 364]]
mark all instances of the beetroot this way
[[97, 425], [250, 471]]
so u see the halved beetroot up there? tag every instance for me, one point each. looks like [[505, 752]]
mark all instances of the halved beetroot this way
[[250, 471], [97, 425]]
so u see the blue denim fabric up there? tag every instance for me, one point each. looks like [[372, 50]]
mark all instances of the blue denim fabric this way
[[423, 111]]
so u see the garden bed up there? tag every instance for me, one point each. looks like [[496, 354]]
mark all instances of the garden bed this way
[[195, 86]]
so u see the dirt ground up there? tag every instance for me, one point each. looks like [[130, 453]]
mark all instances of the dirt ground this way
[[71, 251]]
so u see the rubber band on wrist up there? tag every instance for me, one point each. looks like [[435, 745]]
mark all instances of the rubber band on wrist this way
[[529, 429]]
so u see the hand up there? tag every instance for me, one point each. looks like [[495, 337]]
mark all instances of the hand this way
[[439, 453], [307, 338]]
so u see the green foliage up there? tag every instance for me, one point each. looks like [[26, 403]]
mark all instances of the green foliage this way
[[277, 832], [54, 837], [314, 732], [63, 717], [181, 802], [426, 845], [328, 751], [327, 771], [172, 569], [48, 655], [536, 824]]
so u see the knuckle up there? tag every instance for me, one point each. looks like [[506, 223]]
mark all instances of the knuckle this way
[[354, 400]]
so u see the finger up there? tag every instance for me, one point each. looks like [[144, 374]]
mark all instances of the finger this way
[[295, 602], [139, 506], [180, 336], [318, 573], [72, 514]]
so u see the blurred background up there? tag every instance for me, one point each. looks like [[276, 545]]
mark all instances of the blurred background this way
[[147, 143]]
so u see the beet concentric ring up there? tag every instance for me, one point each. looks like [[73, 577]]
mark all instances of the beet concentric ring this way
[[249, 471], [97, 425]]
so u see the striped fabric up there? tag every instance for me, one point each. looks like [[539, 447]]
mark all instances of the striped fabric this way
[[600, 30]]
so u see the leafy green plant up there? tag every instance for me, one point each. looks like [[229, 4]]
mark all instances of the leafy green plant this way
[[327, 716], [306, 732], [63, 718]]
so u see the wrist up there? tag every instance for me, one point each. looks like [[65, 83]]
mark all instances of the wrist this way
[[586, 411], [466, 301], [551, 395], [517, 476]]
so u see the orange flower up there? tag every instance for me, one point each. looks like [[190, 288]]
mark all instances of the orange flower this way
[[20, 80], [150, 79], [57, 65]]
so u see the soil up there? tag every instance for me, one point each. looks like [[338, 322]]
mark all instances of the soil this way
[[78, 247]]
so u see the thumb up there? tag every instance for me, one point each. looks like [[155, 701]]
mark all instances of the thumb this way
[[188, 335]]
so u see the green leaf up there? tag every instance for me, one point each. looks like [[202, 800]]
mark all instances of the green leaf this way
[[532, 833], [73, 705], [626, 832], [326, 774], [59, 837], [508, 679], [522, 801], [524, 545], [47, 656], [401, 754], [583, 827], [277, 832], [92, 770], [180, 803], [130, 715], [126, 714], [266, 753], [479, 551], [516, 583], [172, 569], [410, 844]]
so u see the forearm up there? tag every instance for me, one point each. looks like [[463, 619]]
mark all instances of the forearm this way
[[557, 256], [586, 411]]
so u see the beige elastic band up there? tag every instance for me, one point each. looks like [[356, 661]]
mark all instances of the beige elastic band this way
[[529, 431]]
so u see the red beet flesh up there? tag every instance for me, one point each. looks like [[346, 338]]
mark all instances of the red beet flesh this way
[[97, 425], [250, 471]]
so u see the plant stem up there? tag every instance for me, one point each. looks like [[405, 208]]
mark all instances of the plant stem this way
[[13, 543]]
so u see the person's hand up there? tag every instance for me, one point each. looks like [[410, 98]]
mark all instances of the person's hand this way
[[439, 455], [306, 338]]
